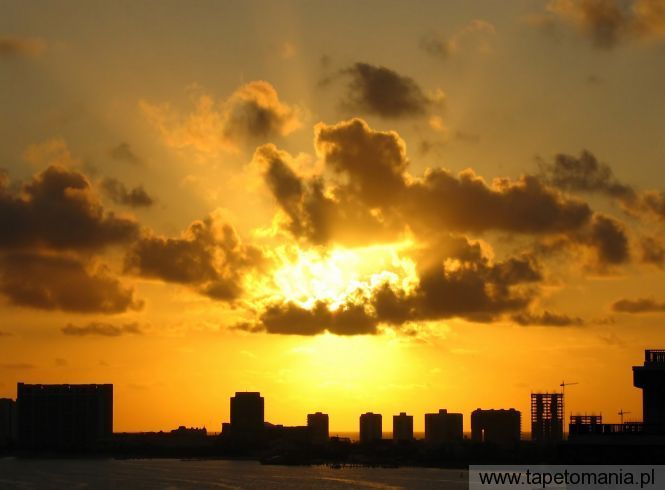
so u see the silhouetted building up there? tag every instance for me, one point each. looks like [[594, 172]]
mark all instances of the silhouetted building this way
[[547, 417], [64, 416], [318, 426], [402, 427], [592, 425], [370, 427], [651, 379], [7, 422], [247, 412], [443, 427], [501, 427]]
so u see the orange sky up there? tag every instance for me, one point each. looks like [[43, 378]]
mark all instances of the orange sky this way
[[450, 206]]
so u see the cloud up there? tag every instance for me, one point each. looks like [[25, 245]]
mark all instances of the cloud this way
[[653, 251], [123, 152], [20, 47], [474, 36], [253, 113], [53, 282], [640, 305], [609, 22], [383, 92], [547, 319], [102, 329], [374, 164], [17, 365], [586, 174], [59, 209], [119, 194], [61, 362], [608, 236], [209, 256]]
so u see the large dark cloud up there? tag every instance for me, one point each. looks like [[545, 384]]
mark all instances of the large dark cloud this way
[[608, 237], [383, 92], [208, 256], [56, 282], [118, 193], [464, 285], [103, 329], [640, 305], [59, 209]]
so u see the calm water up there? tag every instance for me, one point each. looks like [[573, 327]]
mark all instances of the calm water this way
[[176, 474]]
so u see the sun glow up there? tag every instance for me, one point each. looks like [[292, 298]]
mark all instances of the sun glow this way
[[340, 274]]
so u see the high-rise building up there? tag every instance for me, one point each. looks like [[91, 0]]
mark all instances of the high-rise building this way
[[547, 417], [501, 427], [370, 427], [651, 378], [64, 416], [247, 412], [443, 427], [402, 427], [318, 426], [7, 422]]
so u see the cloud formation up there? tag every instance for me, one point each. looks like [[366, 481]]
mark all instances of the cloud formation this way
[[252, 114], [609, 22], [209, 256], [640, 305], [102, 329], [123, 152], [380, 91], [59, 209], [119, 194], [547, 319], [56, 282], [474, 36]]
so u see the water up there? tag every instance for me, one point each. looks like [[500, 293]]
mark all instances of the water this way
[[175, 474]]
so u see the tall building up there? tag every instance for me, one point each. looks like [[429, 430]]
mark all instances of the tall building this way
[[318, 426], [370, 427], [402, 427], [247, 412], [501, 427], [651, 378], [547, 417], [7, 422], [443, 427], [64, 416]]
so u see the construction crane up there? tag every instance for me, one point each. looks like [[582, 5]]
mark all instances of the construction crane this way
[[621, 414], [563, 407]]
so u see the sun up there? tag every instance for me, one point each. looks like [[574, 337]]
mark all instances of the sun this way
[[338, 275]]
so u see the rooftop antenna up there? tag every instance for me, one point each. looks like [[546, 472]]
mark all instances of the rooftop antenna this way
[[621, 414]]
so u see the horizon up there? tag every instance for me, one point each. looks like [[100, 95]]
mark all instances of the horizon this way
[[348, 207]]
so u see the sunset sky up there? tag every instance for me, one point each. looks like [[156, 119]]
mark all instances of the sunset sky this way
[[347, 206]]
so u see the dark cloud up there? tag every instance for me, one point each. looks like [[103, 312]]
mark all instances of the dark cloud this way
[[374, 163], [380, 91], [653, 251], [292, 319], [208, 256], [608, 237], [313, 214], [608, 22], [102, 328], [20, 47], [118, 193], [59, 209], [586, 174], [123, 152], [547, 319], [640, 305], [65, 283], [61, 362]]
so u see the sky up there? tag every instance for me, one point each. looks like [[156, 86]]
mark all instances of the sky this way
[[348, 206]]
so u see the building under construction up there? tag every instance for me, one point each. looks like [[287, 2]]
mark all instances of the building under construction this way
[[547, 417]]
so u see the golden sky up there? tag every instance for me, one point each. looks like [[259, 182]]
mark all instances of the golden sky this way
[[348, 206]]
